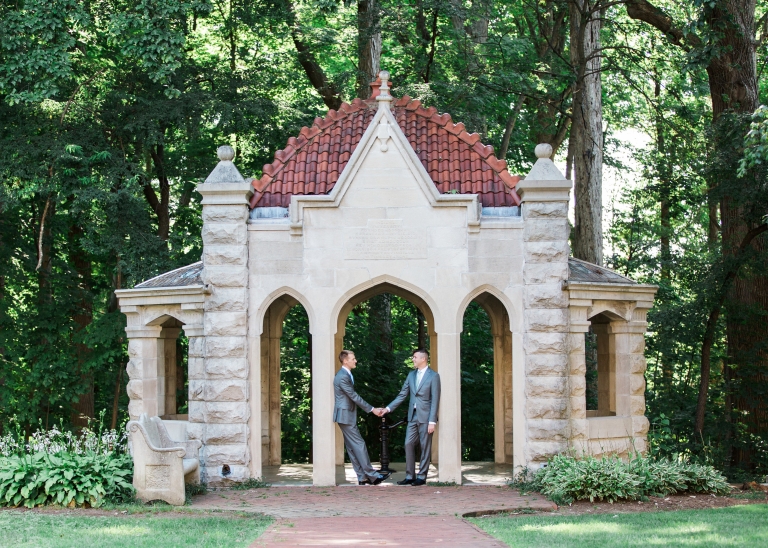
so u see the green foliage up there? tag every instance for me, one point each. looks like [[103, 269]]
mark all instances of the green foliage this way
[[65, 479], [566, 478]]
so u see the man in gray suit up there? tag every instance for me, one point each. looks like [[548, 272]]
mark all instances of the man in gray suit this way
[[423, 387], [345, 415]]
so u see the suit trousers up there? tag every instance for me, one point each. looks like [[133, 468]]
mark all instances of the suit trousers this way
[[417, 432], [358, 452]]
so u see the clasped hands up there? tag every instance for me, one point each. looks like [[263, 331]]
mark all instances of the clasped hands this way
[[379, 411]]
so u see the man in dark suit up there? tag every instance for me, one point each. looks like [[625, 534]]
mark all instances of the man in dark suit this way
[[345, 415], [423, 387]]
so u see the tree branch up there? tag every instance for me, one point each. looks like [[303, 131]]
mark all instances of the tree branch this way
[[642, 10]]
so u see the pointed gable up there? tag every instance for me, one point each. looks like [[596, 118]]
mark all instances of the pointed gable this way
[[456, 161]]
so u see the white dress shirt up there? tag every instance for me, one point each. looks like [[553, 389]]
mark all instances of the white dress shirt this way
[[419, 376]]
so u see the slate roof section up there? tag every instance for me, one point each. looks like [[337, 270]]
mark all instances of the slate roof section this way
[[455, 160], [184, 276], [582, 271]]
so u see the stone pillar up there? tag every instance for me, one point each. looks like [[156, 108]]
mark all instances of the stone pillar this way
[[449, 441], [323, 427], [544, 194], [636, 365], [225, 396], [146, 366]]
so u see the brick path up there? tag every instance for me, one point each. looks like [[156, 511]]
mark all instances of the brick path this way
[[396, 531], [383, 515]]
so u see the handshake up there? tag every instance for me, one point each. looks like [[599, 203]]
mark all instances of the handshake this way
[[379, 411]]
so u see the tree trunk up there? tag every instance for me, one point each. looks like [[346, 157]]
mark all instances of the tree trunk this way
[[587, 132], [368, 46], [83, 409]]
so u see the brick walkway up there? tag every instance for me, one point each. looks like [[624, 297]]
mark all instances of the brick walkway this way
[[383, 515], [400, 531]]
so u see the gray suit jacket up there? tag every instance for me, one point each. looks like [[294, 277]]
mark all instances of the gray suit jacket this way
[[346, 399], [426, 399]]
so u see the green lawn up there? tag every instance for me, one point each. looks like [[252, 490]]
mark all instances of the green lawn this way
[[734, 526], [151, 530]]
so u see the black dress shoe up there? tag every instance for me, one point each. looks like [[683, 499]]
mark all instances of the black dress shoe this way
[[419, 481], [364, 482], [381, 477], [406, 481]]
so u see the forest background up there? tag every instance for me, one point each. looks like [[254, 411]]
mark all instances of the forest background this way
[[111, 111]]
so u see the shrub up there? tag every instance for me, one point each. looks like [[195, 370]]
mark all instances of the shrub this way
[[567, 478], [58, 467]]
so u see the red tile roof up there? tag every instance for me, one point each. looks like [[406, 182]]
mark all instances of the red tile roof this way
[[456, 160]]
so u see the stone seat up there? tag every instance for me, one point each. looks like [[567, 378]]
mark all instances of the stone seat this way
[[161, 466]]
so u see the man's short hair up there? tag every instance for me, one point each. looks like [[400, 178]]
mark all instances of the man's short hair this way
[[422, 351], [343, 355]]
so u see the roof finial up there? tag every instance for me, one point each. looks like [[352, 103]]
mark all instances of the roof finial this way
[[543, 150], [384, 95], [226, 153]]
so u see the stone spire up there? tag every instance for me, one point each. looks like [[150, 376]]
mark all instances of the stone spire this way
[[225, 171], [383, 97]]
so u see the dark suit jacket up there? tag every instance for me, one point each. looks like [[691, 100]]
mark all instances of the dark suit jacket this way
[[425, 399], [346, 399]]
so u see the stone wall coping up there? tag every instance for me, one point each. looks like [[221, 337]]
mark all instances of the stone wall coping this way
[[609, 427], [225, 193], [160, 295], [502, 222], [643, 294], [256, 225]]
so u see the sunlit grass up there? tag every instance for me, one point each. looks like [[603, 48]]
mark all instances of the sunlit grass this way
[[26, 529], [734, 526]]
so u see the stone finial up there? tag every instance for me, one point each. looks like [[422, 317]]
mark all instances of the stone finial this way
[[225, 171], [226, 153], [543, 150], [383, 95]]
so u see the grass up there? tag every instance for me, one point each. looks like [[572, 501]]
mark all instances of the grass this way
[[28, 529], [734, 526]]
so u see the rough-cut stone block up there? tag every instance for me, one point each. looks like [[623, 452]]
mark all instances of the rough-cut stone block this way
[[578, 385], [135, 409], [225, 214], [195, 431], [636, 344], [196, 411], [226, 412], [545, 209], [640, 425], [135, 389], [218, 455], [225, 347], [195, 368], [226, 434], [196, 347], [578, 407], [539, 451], [637, 405], [224, 234], [545, 296], [544, 273], [542, 230], [639, 445], [546, 319], [197, 390], [546, 387], [637, 385], [637, 363], [547, 365], [225, 324], [226, 368], [225, 255], [227, 299], [545, 343], [226, 276], [577, 363], [579, 429], [548, 430], [228, 390], [549, 251], [134, 368], [552, 408]]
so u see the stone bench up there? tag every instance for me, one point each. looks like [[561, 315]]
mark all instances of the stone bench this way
[[161, 466]]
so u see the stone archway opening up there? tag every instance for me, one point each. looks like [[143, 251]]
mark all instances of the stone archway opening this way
[[383, 325], [286, 386], [486, 392]]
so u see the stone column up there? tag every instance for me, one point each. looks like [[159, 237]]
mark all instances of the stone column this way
[[544, 194], [169, 336], [225, 396], [636, 364], [145, 365], [323, 427], [449, 441]]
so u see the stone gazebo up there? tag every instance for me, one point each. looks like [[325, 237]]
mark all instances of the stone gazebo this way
[[388, 196]]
